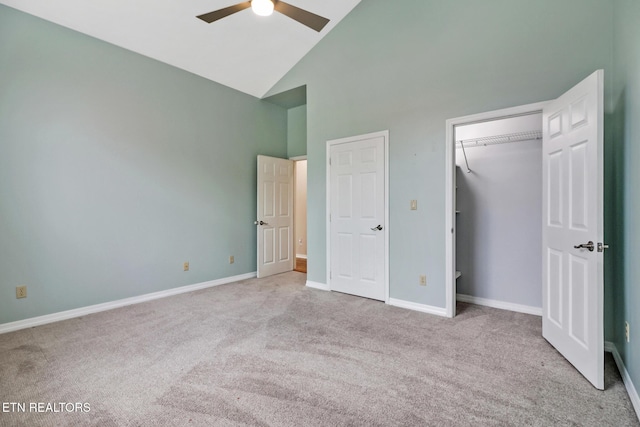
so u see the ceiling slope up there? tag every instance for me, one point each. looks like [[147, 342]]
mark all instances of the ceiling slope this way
[[244, 51]]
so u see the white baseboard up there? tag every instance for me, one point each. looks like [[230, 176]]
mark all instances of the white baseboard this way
[[301, 256], [438, 311], [527, 309], [318, 285], [626, 378], [83, 311], [611, 348]]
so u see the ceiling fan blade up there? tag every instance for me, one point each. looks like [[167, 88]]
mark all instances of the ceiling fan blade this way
[[221, 13], [311, 20]]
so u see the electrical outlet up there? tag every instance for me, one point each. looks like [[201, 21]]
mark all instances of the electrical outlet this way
[[231, 259], [185, 266], [626, 331], [423, 280], [21, 291]]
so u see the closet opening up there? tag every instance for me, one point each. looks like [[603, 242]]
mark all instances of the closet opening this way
[[494, 210]]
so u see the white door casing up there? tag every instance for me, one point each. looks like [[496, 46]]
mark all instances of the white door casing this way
[[572, 214], [275, 216], [358, 212]]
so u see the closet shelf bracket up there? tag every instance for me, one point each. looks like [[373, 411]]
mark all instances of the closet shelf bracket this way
[[465, 157]]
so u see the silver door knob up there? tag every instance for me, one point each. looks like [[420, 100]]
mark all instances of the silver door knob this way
[[379, 227], [589, 245], [260, 223]]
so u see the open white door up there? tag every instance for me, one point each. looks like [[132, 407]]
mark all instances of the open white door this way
[[358, 225], [572, 230], [275, 216]]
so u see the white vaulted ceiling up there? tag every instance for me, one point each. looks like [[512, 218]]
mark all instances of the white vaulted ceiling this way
[[243, 51]]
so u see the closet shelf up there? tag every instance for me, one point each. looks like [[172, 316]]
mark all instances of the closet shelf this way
[[499, 139]]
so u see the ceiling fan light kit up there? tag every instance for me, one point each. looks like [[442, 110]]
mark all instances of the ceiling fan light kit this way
[[266, 8], [262, 7]]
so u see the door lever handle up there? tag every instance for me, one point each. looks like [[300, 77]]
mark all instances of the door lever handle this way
[[589, 245], [379, 227], [260, 223]]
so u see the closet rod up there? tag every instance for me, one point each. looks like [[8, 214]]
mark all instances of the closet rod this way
[[500, 139]]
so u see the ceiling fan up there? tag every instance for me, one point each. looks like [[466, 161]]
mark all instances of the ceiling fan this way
[[266, 8]]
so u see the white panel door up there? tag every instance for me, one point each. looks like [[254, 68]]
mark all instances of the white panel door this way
[[572, 227], [275, 216], [357, 218]]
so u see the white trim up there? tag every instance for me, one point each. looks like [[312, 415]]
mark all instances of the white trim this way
[[503, 305], [610, 347], [450, 220], [330, 143], [450, 170], [626, 378], [327, 230], [302, 256], [298, 158], [438, 311], [83, 311], [318, 285]]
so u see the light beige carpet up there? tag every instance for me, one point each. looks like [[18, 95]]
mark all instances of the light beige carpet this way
[[272, 352]]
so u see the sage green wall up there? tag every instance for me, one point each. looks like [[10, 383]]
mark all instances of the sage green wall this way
[[297, 131], [627, 195], [115, 168], [409, 69]]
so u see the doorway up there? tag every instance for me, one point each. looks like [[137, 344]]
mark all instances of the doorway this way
[[478, 122], [498, 197], [300, 213], [274, 216], [281, 215]]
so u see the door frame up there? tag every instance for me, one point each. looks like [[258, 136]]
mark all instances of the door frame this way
[[330, 143], [449, 187]]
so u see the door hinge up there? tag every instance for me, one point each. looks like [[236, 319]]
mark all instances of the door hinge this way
[[329, 160]]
